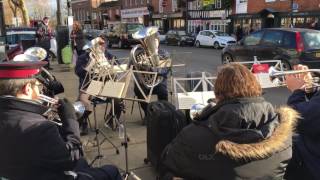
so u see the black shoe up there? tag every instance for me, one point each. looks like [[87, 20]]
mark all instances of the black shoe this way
[[84, 129]]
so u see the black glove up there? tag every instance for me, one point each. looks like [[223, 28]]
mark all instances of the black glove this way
[[66, 110], [69, 119]]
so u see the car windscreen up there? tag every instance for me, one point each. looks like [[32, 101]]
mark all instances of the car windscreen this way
[[17, 38], [311, 40], [219, 33], [182, 33], [132, 28]]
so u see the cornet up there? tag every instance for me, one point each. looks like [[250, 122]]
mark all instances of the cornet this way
[[279, 75], [52, 112]]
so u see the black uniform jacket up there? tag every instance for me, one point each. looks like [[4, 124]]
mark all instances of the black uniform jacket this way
[[31, 146], [243, 138]]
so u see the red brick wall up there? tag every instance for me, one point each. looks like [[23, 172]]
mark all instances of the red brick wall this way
[[166, 9], [255, 6]]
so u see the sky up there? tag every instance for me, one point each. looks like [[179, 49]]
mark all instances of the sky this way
[[52, 4]]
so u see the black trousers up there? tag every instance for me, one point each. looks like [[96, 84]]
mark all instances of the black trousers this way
[[160, 90], [106, 172]]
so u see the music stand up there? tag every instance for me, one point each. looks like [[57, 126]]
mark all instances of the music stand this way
[[185, 99], [117, 88], [97, 73]]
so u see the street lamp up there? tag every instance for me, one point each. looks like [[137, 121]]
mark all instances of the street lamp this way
[[291, 14], [2, 21]]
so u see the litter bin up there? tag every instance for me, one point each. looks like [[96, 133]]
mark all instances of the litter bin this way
[[62, 37]]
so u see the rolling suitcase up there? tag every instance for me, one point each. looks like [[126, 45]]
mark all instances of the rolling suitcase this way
[[164, 122]]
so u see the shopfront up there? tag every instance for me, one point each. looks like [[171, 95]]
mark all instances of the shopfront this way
[[207, 20], [166, 22], [135, 15], [299, 19]]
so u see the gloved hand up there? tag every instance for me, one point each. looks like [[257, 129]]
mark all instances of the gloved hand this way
[[66, 110]]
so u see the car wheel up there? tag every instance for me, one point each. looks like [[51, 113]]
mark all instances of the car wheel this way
[[227, 58], [120, 44], [216, 45], [198, 44], [285, 65]]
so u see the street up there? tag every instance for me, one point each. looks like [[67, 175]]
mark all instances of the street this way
[[204, 59]]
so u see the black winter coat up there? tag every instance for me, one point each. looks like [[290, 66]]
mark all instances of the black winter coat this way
[[237, 139], [31, 146], [307, 143]]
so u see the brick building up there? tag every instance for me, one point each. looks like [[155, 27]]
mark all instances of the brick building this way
[[87, 12], [257, 14], [110, 13]]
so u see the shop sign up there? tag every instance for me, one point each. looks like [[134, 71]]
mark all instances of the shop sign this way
[[206, 14], [208, 2], [136, 12]]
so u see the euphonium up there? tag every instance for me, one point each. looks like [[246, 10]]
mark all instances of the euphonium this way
[[145, 57]]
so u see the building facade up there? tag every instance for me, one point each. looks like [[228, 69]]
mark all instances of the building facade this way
[[257, 14], [87, 13], [136, 11], [206, 15], [110, 13], [169, 14]]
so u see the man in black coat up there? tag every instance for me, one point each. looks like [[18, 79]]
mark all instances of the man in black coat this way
[[305, 163], [32, 147]]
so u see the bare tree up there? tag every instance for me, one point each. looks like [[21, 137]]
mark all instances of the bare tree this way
[[16, 5]]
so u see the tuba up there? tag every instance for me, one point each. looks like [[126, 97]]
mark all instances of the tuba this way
[[145, 57]]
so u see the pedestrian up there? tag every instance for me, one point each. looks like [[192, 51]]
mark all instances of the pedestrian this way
[[239, 33], [43, 38], [33, 147], [305, 163], [198, 29], [77, 38], [241, 137]]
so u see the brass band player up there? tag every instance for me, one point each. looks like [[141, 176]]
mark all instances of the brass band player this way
[[99, 46], [32, 147]]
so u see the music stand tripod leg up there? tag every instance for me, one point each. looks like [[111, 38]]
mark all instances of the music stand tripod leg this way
[[99, 156], [127, 173]]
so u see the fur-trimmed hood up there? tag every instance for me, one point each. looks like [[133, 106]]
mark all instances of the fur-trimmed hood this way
[[264, 148], [249, 128]]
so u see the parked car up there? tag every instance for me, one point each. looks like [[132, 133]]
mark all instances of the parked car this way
[[214, 38], [22, 38], [90, 34], [162, 37], [290, 45], [180, 38], [121, 34]]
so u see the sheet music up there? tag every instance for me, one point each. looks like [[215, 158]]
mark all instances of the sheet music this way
[[186, 100], [113, 89], [94, 88]]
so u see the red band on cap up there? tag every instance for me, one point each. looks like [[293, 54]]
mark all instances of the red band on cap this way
[[18, 73]]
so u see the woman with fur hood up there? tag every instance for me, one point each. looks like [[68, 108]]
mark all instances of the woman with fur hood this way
[[242, 137]]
